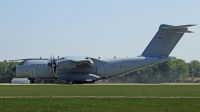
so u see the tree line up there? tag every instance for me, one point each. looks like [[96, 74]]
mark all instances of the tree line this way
[[174, 70]]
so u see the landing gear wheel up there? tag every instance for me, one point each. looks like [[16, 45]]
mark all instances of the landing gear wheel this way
[[31, 81]]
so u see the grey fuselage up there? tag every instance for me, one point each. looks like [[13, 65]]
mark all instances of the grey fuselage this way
[[102, 68]]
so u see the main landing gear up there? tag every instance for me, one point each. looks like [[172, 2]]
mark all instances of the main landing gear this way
[[31, 80]]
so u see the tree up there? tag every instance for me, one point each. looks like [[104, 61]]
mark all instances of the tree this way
[[179, 69], [194, 68], [6, 74]]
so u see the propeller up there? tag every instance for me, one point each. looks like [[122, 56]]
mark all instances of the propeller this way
[[52, 64]]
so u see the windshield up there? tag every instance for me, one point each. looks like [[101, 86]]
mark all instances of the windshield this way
[[21, 63]]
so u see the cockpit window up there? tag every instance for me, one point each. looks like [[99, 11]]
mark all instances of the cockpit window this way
[[21, 63]]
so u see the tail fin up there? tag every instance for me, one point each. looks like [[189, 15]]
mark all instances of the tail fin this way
[[165, 40]]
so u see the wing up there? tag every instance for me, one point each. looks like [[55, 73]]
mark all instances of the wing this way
[[30, 59], [81, 60], [70, 62]]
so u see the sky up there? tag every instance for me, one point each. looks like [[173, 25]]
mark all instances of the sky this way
[[94, 28]]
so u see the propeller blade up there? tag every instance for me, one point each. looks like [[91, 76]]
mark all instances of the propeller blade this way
[[52, 65]]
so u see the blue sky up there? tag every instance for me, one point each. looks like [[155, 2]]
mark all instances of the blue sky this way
[[95, 28]]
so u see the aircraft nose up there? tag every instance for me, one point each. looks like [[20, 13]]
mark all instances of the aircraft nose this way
[[14, 70]]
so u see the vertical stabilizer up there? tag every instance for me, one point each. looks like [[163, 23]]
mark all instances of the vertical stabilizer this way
[[165, 40]]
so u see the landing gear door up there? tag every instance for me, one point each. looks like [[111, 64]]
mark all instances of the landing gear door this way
[[100, 71]]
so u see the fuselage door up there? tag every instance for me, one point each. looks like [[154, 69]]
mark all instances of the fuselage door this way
[[100, 71], [32, 72]]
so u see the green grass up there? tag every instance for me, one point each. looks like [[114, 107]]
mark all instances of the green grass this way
[[100, 90], [100, 104]]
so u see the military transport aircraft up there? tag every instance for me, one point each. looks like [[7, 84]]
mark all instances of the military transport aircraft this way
[[77, 69]]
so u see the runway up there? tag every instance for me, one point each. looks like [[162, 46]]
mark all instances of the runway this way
[[144, 84], [108, 84]]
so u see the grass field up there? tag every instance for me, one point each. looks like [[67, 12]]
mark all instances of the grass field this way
[[137, 98]]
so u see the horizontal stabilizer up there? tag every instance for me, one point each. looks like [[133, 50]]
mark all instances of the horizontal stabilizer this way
[[177, 27], [189, 31], [178, 31]]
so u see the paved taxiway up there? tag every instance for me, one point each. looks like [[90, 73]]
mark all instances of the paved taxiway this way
[[110, 84], [143, 84]]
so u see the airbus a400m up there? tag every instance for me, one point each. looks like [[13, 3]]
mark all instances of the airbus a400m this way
[[77, 69]]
